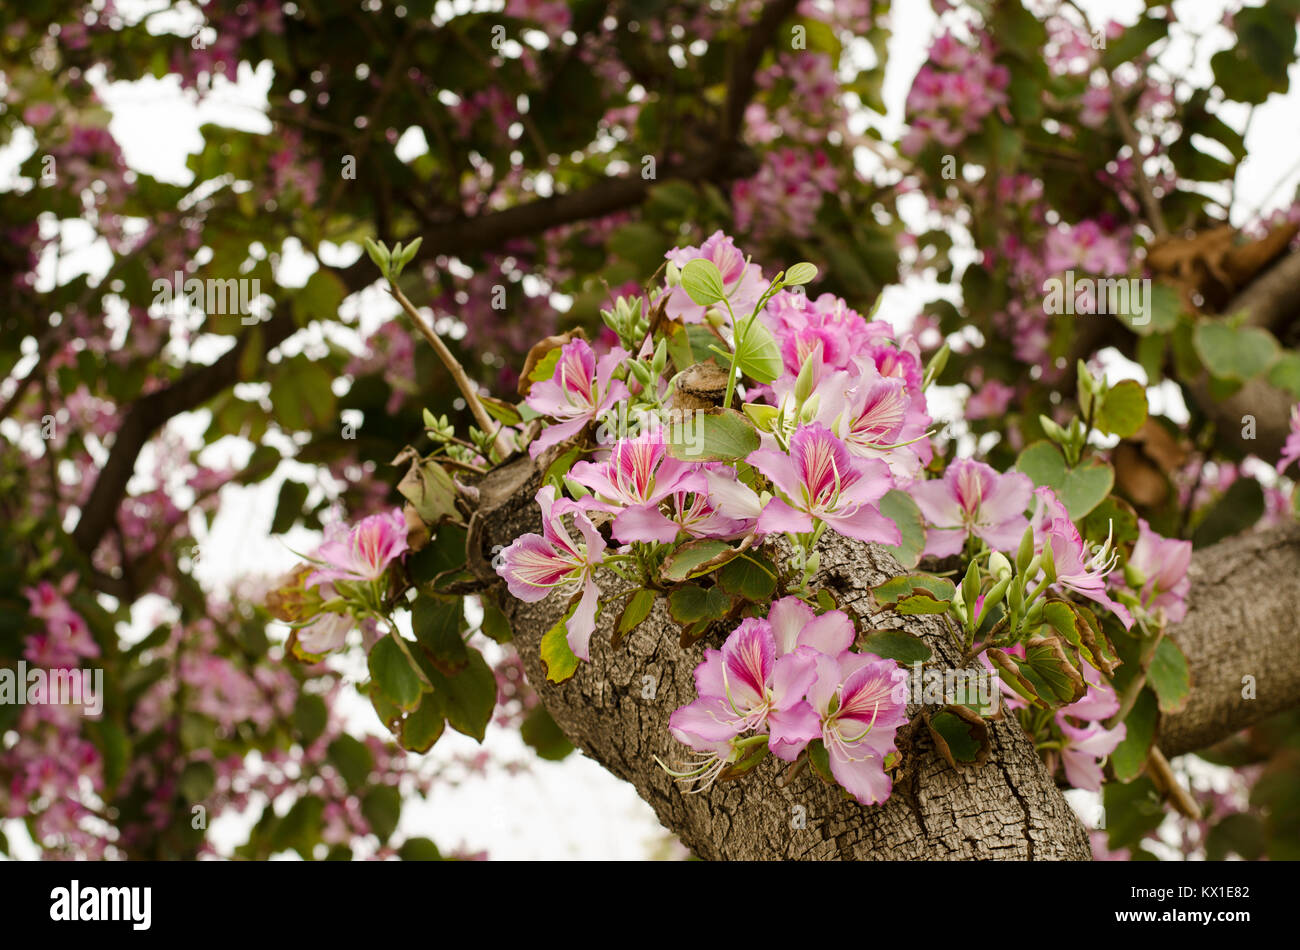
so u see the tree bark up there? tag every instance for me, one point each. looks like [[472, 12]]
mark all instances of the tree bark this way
[[616, 710], [1243, 620]]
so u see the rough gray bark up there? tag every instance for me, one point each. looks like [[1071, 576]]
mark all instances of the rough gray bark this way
[[616, 710], [1243, 619]]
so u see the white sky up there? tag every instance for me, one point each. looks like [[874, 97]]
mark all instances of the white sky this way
[[572, 809]]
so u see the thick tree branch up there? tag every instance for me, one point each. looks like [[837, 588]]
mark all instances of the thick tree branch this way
[[149, 413], [1243, 620], [727, 160]]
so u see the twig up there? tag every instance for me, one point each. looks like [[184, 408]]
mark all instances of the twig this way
[[463, 382]]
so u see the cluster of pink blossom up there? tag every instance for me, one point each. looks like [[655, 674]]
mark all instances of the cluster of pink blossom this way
[[198, 63], [57, 773], [953, 93], [859, 431], [790, 679], [786, 194]]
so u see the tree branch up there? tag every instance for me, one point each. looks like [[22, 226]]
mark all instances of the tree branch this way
[[1243, 620], [149, 413]]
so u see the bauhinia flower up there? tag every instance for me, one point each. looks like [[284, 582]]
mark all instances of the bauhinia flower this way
[[860, 713], [749, 686], [363, 552], [581, 390], [973, 499], [880, 418], [742, 281], [638, 475], [795, 626], [535, 565], [1077, 568], [819, 479], [1157, 570], [1085, 747]]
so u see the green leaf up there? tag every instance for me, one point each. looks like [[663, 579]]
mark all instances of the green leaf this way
[[1241, 834], [429, 488], [801, 273], [393, 673], [1285, 373], [691, 604], [422, 728], [321, 296], [1134, 41], [1123, 409], [712, 435], [633, 613], [1131, 755], [437, 621], [419, 849], [906, 648], [540, 732], [1080, 489], [1164, 307], [1239, 508], [353, 760], [1169, 676], [758, 356], [911, 594], [469, 697], [1048, 668], [557, 657], [1234, 353], [687, 558], [197, 781], [899, 508], [751, 576], [288, 506], [1132, 810], [310, 716], [960, 735], [495, 625], [820, 760], [702, 282], [382, 807]]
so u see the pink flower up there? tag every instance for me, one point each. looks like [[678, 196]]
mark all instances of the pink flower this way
[[802, 326], [695, 513], [581, 389], [748, 687], [973, 499], [881, 418], [1291, 449], [534, 565], [1158, 566], [860, 714], [821, 480], [743, 282], [365, 552], [1077, 569], [637, 476], [327, 633], [991, 401], [1085, 750], [796, 627]]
